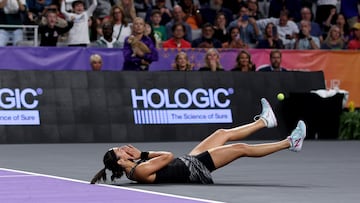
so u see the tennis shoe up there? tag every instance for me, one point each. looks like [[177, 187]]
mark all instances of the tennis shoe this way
[[267, 114], [297, 137]]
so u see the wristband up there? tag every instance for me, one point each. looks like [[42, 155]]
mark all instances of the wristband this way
[[144, 155]]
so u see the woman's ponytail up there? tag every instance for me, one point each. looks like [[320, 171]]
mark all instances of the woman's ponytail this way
[[100, 175]]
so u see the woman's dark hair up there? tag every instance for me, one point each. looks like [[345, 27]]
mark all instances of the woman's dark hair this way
[[110, 162]]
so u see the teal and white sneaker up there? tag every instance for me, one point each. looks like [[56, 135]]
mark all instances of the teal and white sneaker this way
[[267, 114], [297, 137]]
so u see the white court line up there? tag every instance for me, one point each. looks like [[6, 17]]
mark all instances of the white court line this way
[[110, 186], [15, 176]]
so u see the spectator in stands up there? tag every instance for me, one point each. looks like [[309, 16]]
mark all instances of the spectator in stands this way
[[275, 60], [349, 8], [212, 61], [150, 33], [344, 27], [182, 62], [129, 9], [305, 40], [220, 31], [244, 62], [50, 32], [324, 9], [333, 39], [177, 41], [235, 39], [270, 38], [306, 14], [164, 11], [249, 31], [286, 28], [60, 20], [11, 15], [207, 39], [355, 42], [79, 33], [135, 56], [107, 40], [96, 62], [178, 17], [192, 13], [292, 6], [254, 11], [208, 13], [121, 28], [159, 30]]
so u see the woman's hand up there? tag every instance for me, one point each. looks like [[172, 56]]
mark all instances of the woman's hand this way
[[132, 151]]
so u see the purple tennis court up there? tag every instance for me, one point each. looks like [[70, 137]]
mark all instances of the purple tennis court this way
[[19, 186]]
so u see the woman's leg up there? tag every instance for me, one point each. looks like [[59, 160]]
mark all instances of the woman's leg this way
[[221, 136], [223, 155]]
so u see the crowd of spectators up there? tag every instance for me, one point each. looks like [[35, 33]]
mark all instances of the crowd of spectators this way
[[266, 24], [290, 24]]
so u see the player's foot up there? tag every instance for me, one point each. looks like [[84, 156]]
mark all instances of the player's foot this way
[[267, 114], [297, 137]]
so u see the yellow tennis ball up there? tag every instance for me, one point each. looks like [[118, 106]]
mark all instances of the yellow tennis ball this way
[[280, 96]]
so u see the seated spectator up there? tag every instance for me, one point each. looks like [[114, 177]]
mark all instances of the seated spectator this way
[[344, 27], [249, 31], [79, 33], [355, 42], [333, 39], [212, 61], [305, 40], [178, 17], [275, 62], [135, 56], [11, 15], [207, 39], [164, 12], [271, 38], [128, 8], [177, 41], [244, 62], [50, 32], [316, 31], [209, 12], [220, 31], [107, 40], [234, 39], [150, 33], [182, 62], [192, 13], [287, 29], [159, 30], [254, 11], [121, 28], [96, 62]]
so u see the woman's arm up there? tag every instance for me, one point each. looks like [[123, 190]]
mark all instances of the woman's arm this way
[[145, 172]]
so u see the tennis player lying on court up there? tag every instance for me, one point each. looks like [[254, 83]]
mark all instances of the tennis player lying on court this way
[[196, 167]]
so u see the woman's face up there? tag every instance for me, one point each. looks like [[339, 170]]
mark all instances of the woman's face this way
[[335, 33], [269, 29], [117, 14], [138, 26], [340, 20], [121, 153], [147, 29], [96, 65], [234, 33], [212, 56], [181, 61], [243, 60]]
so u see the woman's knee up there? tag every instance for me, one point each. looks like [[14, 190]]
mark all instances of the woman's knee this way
[[220, 132], [242, 149]]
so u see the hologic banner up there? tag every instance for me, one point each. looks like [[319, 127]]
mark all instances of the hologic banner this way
[[340, 67], [107, 106]]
